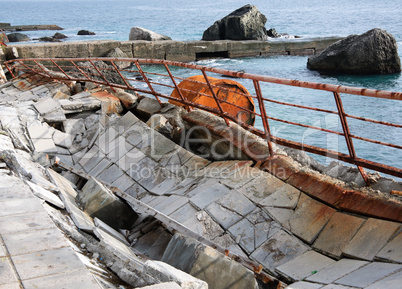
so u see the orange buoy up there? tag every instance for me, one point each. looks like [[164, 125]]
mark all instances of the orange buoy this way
[[238, 101]]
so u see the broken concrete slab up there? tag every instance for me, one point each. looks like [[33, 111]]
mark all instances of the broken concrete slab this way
[[165, 285], [285, 196], [336, 271], [371, 238], [47, 105], [100, 202], [44, 146], [148, 106], [304, 285], [39, 132], [244, 234], [46, 195], [202, 196], [74, 126], [105, 227], [62, 139], [219, 270], [237, 202], [304, 266], [165, 273], [261, 187], [391, 282], [226, 218], [337, 234]]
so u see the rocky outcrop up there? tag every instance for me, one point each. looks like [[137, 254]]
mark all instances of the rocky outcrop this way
[[17, 37], [85, 32], [245, 23], [117, 53], [139, 33], [374, 52], [58, 35]]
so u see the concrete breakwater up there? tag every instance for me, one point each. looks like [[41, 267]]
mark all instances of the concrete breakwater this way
[[185, 51]]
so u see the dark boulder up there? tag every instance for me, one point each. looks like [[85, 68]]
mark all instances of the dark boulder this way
[[48, 39], [272, 33], [245, 23], [17, 37], [374, 52], [85, 32], [58, 35]]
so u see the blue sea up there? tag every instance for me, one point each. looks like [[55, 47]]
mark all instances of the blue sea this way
[[186, 20]]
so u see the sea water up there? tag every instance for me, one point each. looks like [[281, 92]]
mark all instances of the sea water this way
[[187, 20]]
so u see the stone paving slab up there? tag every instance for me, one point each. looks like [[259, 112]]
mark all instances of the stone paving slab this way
[[34, 241], [43, 263], [371, 238], [6, 272], [309, 218], [280, 248], [11, 285], [285, 196], [123, 182], [171, 204], [393, 250], [337, 234], [19, 206], [261, 187], [243, 233], [304, 266], [237, 202], [24, 222], [336, 271], [204, 195], [393, 281], [77, 279], [111, 174], [368, 274]]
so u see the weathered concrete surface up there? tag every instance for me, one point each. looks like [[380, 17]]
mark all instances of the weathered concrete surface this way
[[173, 50]]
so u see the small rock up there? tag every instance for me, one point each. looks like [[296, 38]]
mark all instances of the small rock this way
[[272, 33], [58, 35], [48, 39], [129, 100], [85, 32], [17, 37]]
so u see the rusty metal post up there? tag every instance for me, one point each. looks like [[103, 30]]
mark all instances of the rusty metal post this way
[[215, 97], [347, 134], [61, 69], [264, 116], [101, 75], [175, 85], [147, 81]]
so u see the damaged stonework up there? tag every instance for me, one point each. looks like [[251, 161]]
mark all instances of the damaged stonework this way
[[242, 218]]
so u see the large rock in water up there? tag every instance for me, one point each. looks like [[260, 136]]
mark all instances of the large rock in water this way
[[374, 52], [17, 37], [139, 33], [245, 23]]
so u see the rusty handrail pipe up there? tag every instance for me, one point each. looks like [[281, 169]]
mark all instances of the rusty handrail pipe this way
[[266, 134]]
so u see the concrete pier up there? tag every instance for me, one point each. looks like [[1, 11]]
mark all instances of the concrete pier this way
[[184, 51]]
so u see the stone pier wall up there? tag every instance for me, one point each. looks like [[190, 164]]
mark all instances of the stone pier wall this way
[[184, 51]]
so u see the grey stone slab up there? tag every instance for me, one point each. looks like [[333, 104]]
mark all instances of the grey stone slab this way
[[304, 266], [226, 218], [171, 204], [136, 191], [393, 281], [285, 196], [166, 186], [78, 279], [6, 272], [100, 167], [260, 188], [62, 139], [194, 164], [44, 146], [116, 245], [336, 271], [123, 182], [174, 162], [204, 195], [47, 105], [20, 206], [334, 286], [309, 218], [371, 238], [74, 126], [237, 202], [106, 138], [39, 132], [115, 234], [93, 153], [45, 263], [46, 195], [34, 241], [304, 285], [137, 133], [185, 213], [12, 187], [189, 184], [280, 248], [241, 177], [142, 169], [282, 216], [337, 234], [368, 274], [155, 176], [243, 232], [129, 161], [111, 174], [161, 146], [393, 250], [11, 285]]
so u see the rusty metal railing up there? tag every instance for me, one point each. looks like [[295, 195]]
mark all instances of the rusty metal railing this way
[[136, 77]]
